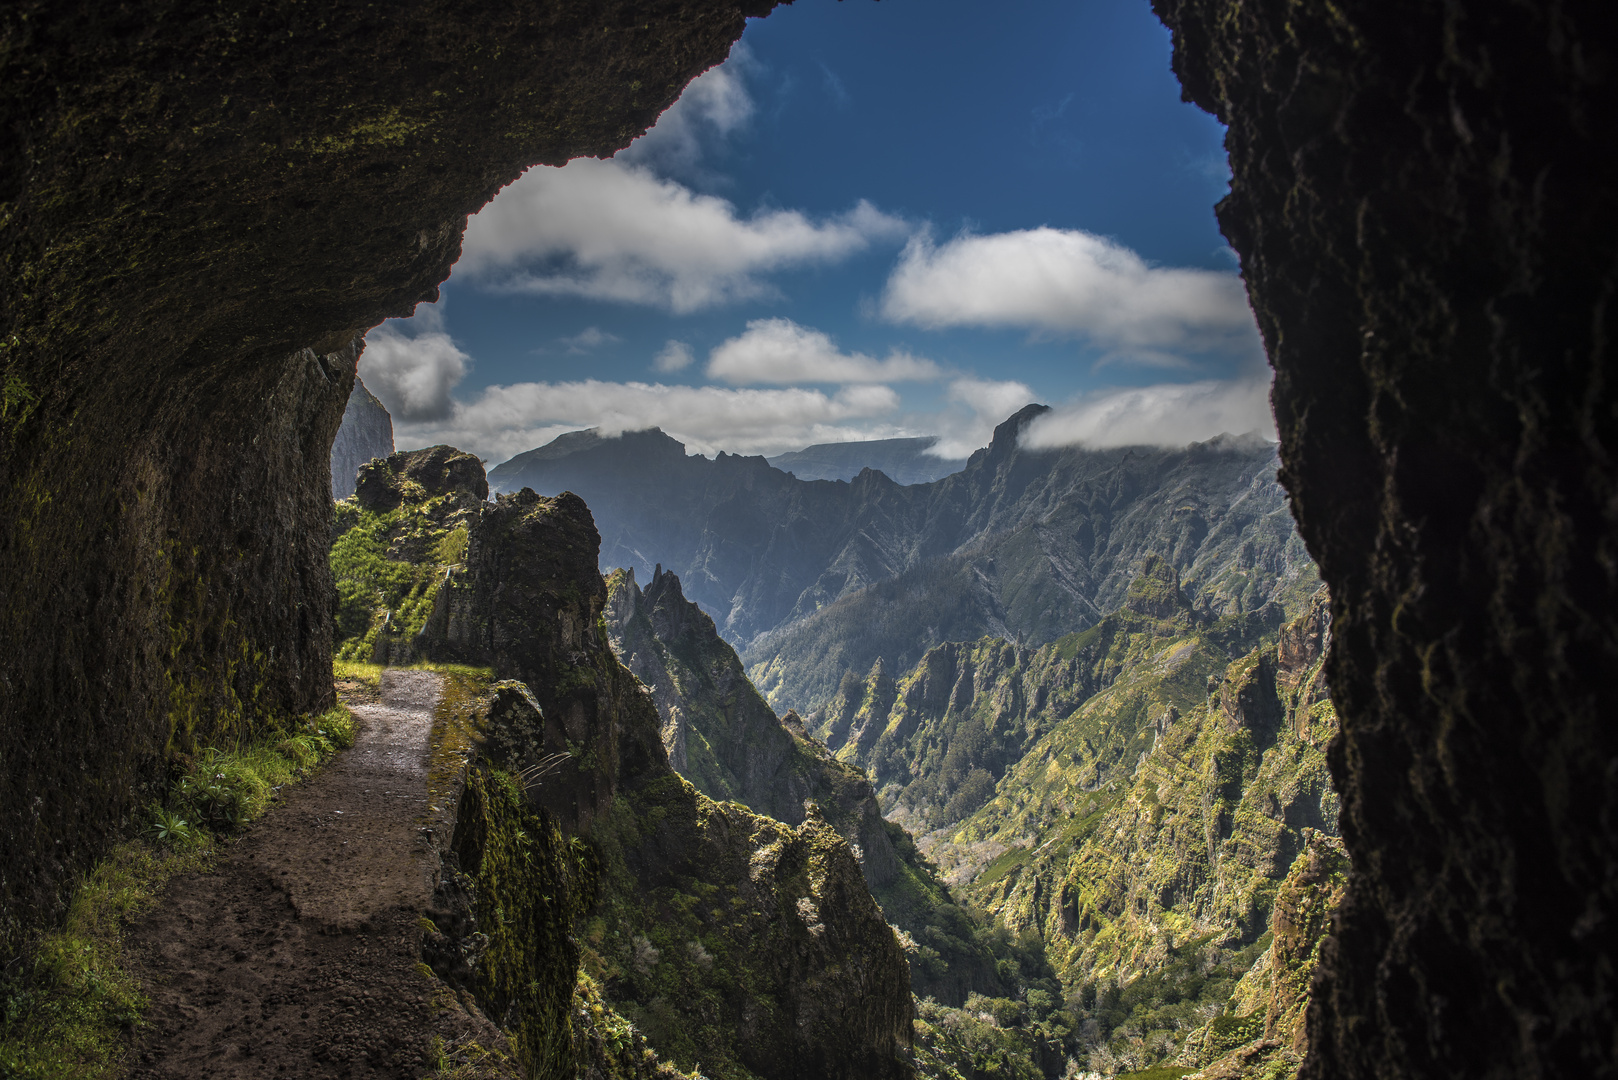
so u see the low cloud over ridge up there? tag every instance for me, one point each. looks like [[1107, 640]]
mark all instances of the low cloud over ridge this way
[[1068, 282], [1169, 414], [507, 420]]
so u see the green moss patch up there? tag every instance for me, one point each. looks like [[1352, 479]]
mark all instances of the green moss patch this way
[[531, 883]]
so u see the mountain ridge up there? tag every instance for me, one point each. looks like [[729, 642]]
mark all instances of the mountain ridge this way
[[1035, 543], [905, 461]]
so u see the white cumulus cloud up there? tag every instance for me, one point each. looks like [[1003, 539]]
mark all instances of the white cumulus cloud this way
[[413, 374], [781, 351], [1069, 282], [591, 337], [1169, 414], [611, 231], [673, 356], [506, 420]]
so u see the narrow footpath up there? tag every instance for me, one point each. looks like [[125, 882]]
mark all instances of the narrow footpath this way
[[298, 955]]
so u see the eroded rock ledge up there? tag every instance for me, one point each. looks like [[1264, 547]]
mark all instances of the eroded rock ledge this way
[[201, 206]]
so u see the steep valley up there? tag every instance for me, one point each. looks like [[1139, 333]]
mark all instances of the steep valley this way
[[703, 930]]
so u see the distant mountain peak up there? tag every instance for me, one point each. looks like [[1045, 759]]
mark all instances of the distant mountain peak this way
[[1007, 434]]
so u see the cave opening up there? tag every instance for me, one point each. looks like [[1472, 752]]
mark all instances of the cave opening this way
[[1423, 204]]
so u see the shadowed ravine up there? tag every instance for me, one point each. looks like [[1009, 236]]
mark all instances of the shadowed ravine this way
[[299, 955]]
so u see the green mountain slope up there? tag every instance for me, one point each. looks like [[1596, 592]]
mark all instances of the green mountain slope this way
[[1125, 803], [1063, 721], [393, 541], [1145, 837], [1067, 534]]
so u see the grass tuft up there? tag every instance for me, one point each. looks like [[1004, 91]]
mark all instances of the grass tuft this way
[[369, 674], [67, 1013]]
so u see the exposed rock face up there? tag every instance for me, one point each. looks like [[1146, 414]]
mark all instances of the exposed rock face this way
[[366, 432], [972, 713], [762, 943], [384, 484], [811, 579], [1264, 1031], [735, 748], [528, 604], [1033, 543], [204, 206], [1423, 202], [1133, 796], [719, 732], [392, 545]]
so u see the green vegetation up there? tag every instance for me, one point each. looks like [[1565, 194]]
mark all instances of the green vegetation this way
[[69, 1009], [1149, 781], [997, 1038], [17, 401], [730, 745], [609, 1046], [359, 671], [708, 912], [222, 790], [1158, 1072], [389, 566], [531, 885], [1234, 555]]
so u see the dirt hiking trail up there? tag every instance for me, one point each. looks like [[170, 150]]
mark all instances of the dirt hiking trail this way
[[298, 955]]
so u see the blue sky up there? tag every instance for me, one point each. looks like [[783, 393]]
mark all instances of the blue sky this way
[[875, 219]]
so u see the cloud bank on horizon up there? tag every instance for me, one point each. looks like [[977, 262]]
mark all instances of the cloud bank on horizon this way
[[625, 231]]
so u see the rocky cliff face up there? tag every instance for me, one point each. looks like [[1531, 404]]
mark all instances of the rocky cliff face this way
[[724, 739], [1211, 820], [731, 939], [1263, 1031], [365, 433], [971, 713], [204, 208], [393, 543], [719, 732], [1423, 202]]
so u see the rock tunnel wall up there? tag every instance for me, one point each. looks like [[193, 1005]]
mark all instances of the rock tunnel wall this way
[[201, 207], [1425, 202]]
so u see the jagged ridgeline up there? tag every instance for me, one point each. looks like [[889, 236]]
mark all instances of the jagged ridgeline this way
[[716, 936], [810, 580], [724, 738]]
